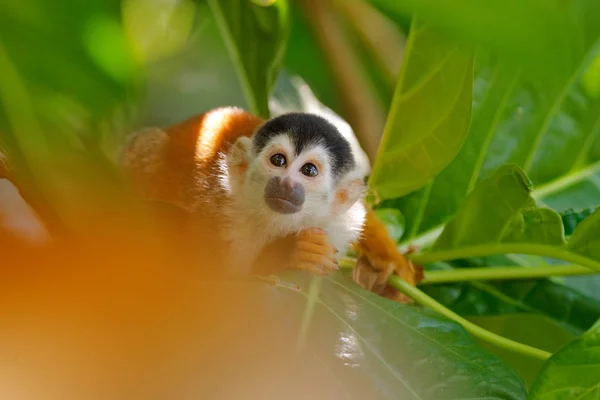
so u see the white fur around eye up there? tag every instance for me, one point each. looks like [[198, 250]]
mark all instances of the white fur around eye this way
[[280, 144]]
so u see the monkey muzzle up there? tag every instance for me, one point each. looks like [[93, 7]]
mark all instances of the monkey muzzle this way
[[283, 195]]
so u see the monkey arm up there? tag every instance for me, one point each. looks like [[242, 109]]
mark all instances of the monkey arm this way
[[380, 258]]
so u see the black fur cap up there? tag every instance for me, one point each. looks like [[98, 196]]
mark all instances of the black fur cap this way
[[307, 130]]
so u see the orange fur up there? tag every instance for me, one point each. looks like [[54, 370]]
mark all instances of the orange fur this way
[[377, 244], [189, 155]]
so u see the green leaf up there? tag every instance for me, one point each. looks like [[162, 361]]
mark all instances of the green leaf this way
[[530, 329], [151, 37], [573, 372], [65, 68], [571, 218], [80, 71], [518, 118], [215, 78], [382, 349], [586, 237], [552, 27], [429, 116], [501, 210], [256, 37], [500, 217], [569, 307]]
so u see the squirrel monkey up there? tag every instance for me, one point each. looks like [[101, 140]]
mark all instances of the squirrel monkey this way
[[279, 194]]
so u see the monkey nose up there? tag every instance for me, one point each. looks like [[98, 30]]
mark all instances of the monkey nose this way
[[288, 185]]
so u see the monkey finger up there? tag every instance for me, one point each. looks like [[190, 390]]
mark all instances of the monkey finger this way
[[322, 240], [310, 247], [364, 275], [317, 259], [384, 269], [314, 236], [385, 273], [369, 277]]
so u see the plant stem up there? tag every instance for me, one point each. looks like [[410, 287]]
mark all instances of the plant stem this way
[[505, 248], [475, 330], [503, 273]]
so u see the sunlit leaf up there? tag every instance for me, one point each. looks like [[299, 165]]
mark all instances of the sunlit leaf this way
[[429, 116]]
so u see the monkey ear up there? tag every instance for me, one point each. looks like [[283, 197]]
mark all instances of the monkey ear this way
[[238, 156], [348, 192]]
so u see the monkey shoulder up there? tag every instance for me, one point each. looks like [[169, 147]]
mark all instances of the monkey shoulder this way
[[181, 163]]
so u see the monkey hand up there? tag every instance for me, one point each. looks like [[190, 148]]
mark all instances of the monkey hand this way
[[312, 251], [372, 272]]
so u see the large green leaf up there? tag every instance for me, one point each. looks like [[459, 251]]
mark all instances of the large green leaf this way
[[381, 349], [256, 36], [518, 118], [429, 116], [573, 372], [499, 216]]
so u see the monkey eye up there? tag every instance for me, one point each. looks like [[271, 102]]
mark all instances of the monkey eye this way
[[278, 160], [309, 169]]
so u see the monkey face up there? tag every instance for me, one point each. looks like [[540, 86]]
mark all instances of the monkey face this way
[[294, 183], [297, 171]]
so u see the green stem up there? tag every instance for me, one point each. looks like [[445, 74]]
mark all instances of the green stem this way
[[475, 330], [503, 273], [505, 248]]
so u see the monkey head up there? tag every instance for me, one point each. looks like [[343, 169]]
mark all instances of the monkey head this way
[[297, 168]]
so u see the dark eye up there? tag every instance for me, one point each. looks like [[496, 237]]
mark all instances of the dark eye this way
[[309, 169], [278, 160]]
